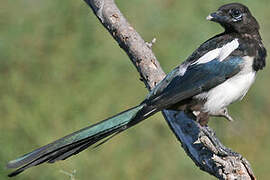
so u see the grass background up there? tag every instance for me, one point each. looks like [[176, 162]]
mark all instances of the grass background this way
[[61, 71]]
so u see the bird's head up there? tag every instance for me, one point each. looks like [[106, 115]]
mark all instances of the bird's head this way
[[235, 17]]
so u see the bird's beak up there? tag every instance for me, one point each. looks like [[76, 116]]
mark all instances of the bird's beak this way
[[209, 17], [216, 17]]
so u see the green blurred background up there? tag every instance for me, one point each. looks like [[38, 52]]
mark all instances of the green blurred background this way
[[61, 71]]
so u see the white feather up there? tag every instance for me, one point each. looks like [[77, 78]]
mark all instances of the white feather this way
[[229, 91], [211, 55], [219, 53], [227, 49], [183, 68]]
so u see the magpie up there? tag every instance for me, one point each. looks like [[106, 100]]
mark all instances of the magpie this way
[[215, 75]]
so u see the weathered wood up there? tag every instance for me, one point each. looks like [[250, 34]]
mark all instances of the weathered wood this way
[[200, 143]]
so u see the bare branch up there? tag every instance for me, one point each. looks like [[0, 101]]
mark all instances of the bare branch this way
[[129, 40], [200, 143]]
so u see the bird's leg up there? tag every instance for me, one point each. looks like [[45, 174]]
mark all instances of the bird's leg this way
[[202, 117], [223, 113]]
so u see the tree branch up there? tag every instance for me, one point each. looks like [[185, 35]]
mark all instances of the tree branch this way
[[200, 143]]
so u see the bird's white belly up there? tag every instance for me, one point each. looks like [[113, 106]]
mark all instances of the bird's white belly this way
[[228, 92], [233, 89]]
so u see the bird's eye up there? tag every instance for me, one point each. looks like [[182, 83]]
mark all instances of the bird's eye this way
[[236, 14]]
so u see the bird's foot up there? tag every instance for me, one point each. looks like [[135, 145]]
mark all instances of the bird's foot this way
[[223, 113]]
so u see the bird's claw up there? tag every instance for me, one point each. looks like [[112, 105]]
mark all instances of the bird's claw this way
[[223, 113]]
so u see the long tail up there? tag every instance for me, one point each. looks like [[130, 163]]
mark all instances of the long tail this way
[[82, 139]]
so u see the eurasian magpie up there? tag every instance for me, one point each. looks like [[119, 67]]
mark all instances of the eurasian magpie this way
[[217, 74]]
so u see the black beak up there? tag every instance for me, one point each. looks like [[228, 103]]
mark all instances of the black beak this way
[[217, 17]]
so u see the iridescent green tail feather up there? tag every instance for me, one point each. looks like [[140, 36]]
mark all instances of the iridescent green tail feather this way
[[80, 140]]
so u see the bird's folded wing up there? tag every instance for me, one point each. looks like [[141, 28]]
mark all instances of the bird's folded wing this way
[[197, 78]]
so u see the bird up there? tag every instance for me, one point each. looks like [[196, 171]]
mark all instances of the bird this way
[[219, 72]]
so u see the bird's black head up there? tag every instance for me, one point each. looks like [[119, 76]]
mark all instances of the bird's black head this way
[[235, 17]]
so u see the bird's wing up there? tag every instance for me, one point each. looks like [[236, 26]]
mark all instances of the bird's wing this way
[[197, 78]]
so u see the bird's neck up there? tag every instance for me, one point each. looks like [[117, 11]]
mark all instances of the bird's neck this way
[[253, 35]]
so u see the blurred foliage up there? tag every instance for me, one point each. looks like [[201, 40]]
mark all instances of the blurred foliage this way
[[61, 71]]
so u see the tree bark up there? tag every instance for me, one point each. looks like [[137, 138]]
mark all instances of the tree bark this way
[[200, 143]]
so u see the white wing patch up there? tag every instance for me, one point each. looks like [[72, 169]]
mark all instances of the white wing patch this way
[[183, 69], [227, 49], [219, 53], [208, 56]]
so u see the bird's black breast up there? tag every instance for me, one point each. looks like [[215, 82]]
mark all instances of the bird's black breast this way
[[260, 59], [252, 47]]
